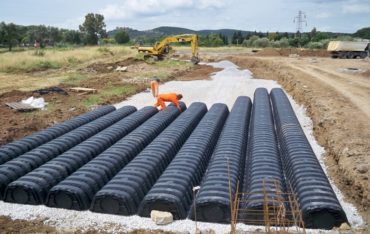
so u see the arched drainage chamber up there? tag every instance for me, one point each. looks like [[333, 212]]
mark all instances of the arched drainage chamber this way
[[131, 162]]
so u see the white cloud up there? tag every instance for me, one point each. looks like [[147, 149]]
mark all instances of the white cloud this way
[[356, 7], [132, 8], [71, 23], [322, 15], [324, 28], [202, 4]]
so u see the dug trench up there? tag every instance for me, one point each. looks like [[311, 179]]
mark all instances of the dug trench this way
[[338, 123]]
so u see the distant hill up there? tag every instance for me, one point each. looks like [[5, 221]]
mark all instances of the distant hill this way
[[159, 32], [227, 32], [165, 30], [155, 34]]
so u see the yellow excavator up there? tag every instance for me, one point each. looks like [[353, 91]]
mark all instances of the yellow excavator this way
[[160, 49]]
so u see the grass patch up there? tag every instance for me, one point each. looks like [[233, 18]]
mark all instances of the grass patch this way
[[44, 64], [37, 65], [92, 100], [39, 53], [105, 51], [30, 60], [173, 63], [124, 90], [74, 79], [112, 93], [73, 61]]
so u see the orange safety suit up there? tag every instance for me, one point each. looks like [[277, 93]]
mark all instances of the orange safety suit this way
[[167, 97], [154, 86]]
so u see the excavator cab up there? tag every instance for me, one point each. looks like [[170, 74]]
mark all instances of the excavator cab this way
[[161, 48]]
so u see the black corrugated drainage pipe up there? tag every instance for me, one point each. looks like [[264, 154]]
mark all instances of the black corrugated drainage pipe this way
[[21, 146], [264, 181], [173, 190], [227, 162], [77, 191], [123, 194], [318, 203], [29, 161], [30, 189]]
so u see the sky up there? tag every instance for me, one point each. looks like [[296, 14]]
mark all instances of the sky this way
[[261, 15]]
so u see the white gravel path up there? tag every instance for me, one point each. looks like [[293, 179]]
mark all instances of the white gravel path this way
[[225, 86]]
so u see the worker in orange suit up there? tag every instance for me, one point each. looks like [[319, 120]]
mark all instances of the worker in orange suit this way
[[168, 97], [154, 86]]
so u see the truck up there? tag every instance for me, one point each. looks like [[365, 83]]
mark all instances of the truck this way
[[349, 49]]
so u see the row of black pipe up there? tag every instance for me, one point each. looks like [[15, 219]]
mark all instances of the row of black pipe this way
[[33, 187], [263, 178], [255, 149], [16, 148], [25, 163], [317, 201], [173, 190], [226, 166], [123, 194], [78, 190]]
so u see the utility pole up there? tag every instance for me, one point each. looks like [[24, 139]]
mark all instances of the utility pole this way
[[300, 19]]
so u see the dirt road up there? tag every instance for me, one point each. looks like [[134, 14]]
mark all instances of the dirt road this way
[[338, 101], [344, 79]]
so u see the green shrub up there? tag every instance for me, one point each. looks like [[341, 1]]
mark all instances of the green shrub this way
[[315, 45], [284, 42], [261, 42], [121, 37]]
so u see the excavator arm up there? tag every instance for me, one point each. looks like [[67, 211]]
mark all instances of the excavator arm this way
[[161, 48]]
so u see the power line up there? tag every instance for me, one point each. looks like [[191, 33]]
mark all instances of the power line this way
[[300, 20]]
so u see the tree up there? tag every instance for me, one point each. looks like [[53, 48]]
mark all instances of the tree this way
[[93, 28], [237, 38], [9, 34], [363, 33], [272, 36], [320, 36], [121, 37], [55, 35], [224, 39], [72, 37], [212, 40], [313, 33], [215, 40]]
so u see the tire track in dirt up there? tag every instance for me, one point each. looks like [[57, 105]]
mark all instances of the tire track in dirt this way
[[357, 91]]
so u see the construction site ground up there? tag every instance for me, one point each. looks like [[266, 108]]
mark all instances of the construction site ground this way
[[335, 93]]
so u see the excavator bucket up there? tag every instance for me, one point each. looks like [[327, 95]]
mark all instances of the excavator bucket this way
[[195, 60]]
